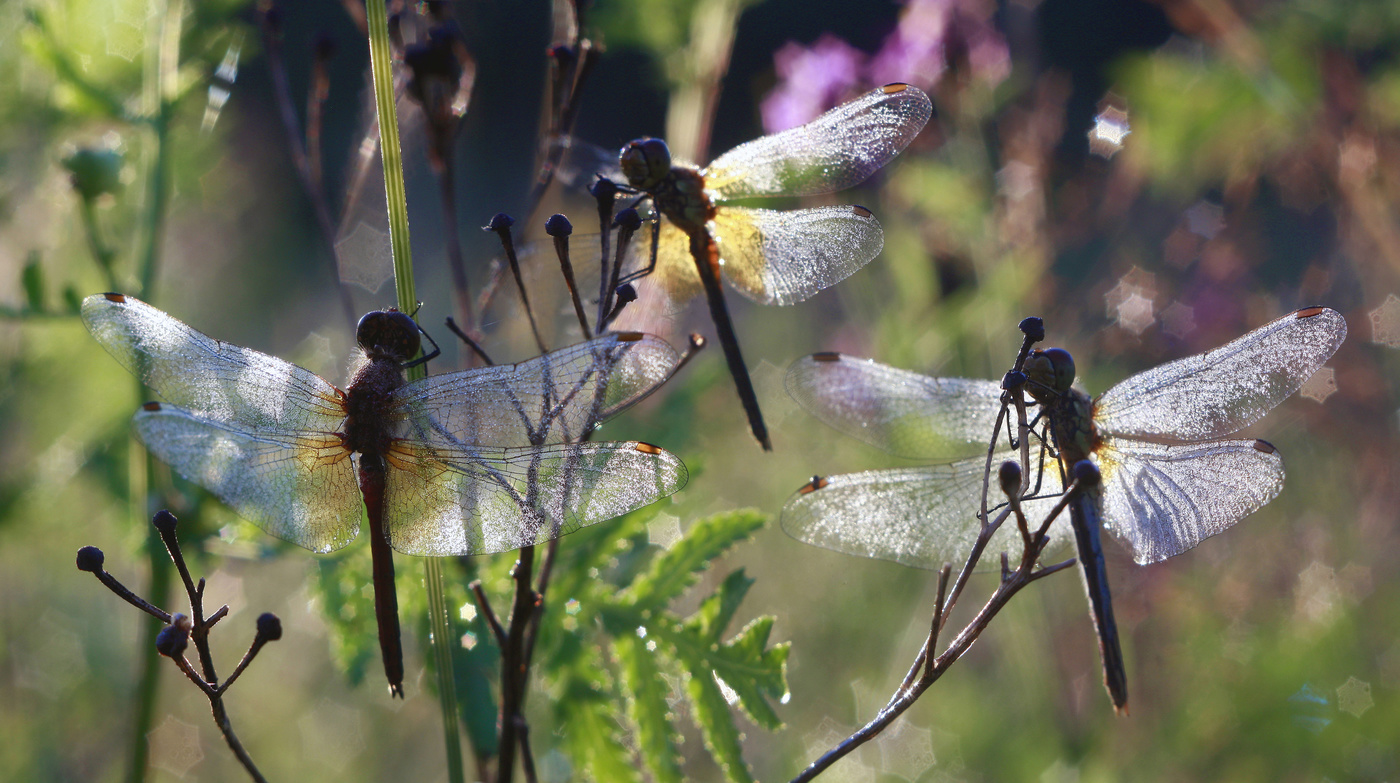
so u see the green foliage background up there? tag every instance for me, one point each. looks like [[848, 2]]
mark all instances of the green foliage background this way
[[1270, 653]]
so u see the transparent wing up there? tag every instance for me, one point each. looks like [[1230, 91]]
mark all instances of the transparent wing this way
[[835, 151], [581, 163], [784, 257], [674, 281], [902, 412], [472, 501], [921, 517], [556, 397], [1162, 500], [212, 379], [1221, 391], [300, 488]]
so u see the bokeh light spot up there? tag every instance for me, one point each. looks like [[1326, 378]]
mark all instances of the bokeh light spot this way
[[1320, 386], [467, 612], [1110, 128], [1385, 322], [1315, 597], [906, 751], [664, 531], [125, 40], [1179, 320], [365, 257], [332, 735], [1354, 696], [1205, 219], [175, 746], [1130, 302]]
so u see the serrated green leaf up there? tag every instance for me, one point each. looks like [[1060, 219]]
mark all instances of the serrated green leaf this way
[[587, 715], [595, 548], [676, 570], [755, 674], [647, 708], [715, 612], [716, 724]]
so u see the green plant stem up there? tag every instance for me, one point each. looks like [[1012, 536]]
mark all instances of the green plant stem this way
[[695, 74], [148, 690], [160, 90], [394, 194], [101, 253]]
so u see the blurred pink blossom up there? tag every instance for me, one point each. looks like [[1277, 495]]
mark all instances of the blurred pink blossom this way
[[811, 80], [929, 35]]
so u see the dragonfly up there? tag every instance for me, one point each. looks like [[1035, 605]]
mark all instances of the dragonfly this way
[[769, 256], [1171, 477], [465, 463]]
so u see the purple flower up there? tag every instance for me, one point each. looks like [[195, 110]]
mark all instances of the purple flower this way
[[811, 80], [930, 35]]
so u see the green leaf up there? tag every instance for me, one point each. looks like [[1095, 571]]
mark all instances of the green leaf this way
[[755, 674], [32, 279], [475, 668], [716, 724], [715, 612], [676, 570], [584, 713], [346, 595], [647, 708]]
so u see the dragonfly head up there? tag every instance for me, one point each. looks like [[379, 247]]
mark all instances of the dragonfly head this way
[[645, 162], [1049, 371], [389, 334]]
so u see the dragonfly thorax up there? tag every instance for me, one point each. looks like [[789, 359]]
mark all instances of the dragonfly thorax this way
[[368, 400], [1050, 380]]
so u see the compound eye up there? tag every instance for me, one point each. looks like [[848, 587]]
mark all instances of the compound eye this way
[[1052, 368], [390, 332], [1063, 366], [645, 162]]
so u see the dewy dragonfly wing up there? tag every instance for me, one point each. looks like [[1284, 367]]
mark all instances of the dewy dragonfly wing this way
[[472, 501], [258, 432], [835, 151], [921, 517], [298, 488], [784, 257], [1214, 394], [1163, 499], [209, 377], [902, 412], [559, 396]]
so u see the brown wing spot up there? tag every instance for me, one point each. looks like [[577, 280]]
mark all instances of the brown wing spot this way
[[1264, 446], [817, 482], [861, 212], [826, 356], [894, 87], [1309, 312], [647, 448], [114, 297], [629, 337], [151, 406]]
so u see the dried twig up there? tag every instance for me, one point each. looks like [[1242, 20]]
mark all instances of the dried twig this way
[[181, 629]]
